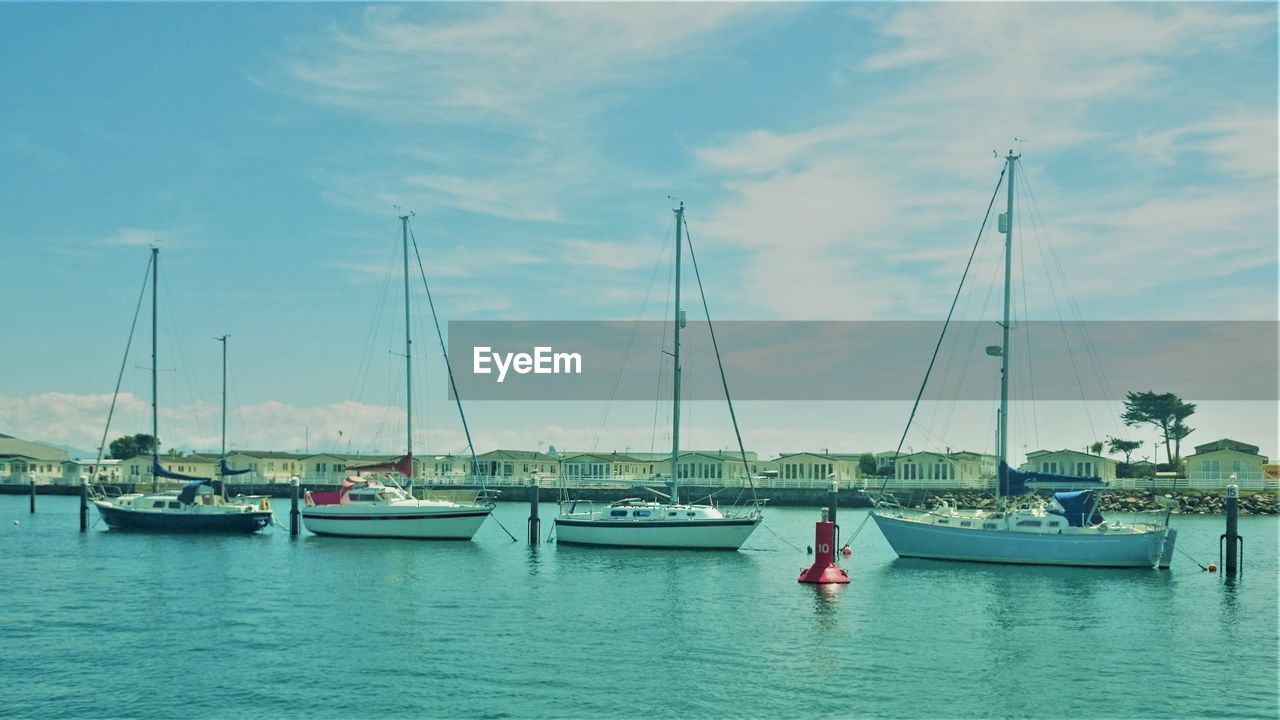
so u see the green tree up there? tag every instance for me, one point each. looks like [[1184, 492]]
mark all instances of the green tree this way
[[123, 448], [1166, 411], [1096, 448], [1124, 447], [867, 465]]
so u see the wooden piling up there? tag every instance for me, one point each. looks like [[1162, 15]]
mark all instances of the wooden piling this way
[[535, 524], [294, 524], [84, 506], [33, 496], [1234, 544]]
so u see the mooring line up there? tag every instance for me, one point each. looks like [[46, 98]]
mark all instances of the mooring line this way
[[788, 542]]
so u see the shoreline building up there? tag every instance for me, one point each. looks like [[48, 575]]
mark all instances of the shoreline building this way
[[22, 461], [1071, 462], [962, 466], [1220, 459]]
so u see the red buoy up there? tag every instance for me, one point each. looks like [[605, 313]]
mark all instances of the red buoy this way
[[846, 551], [824, 570]]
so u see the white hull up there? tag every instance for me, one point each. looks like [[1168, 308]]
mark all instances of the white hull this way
[[918, 538], [719, 534], [397, 521]]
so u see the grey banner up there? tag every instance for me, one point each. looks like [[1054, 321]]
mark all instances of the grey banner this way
[[864, 360]]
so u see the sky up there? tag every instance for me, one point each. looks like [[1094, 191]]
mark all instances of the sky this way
[[835, 161]]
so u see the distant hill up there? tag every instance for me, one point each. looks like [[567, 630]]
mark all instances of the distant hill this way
[[73, 453]]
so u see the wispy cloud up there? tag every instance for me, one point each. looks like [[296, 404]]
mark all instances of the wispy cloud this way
[[134, 237], [869, 214], [507, 63]]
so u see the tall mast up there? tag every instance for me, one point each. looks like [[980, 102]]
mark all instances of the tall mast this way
[[223, 340], [675, 396], [408, 355], [1003, 445], [155, 422]]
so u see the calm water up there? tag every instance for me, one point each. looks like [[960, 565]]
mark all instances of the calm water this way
[[109, 624]]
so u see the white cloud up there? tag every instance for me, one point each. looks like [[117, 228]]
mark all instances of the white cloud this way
[[522, 63], [871, 214], [134, 237]]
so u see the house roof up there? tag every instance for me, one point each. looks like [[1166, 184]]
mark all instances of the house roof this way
[[612, 457], [13, 447], [1226, 444], [1038, 453], [516, 455]]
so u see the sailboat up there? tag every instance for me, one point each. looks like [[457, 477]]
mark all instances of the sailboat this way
[[384, 508], [1067, 529], [196, 507], [634, 522]]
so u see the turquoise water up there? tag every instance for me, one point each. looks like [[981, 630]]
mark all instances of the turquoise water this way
[[108, 624]]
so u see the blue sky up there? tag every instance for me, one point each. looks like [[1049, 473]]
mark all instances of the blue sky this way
[[835, 160]]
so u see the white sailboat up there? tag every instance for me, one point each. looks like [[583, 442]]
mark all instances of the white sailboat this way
[[668, 524], [1064, 530], [194, 509], [382, 507]]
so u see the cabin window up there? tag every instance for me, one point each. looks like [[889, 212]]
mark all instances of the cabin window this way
[[989, 526], [1053, 523], [943, 521], [641, 513], [618, 513], [158, 503], [965, 523], [671, 514], [175, 505], [691, 514], [1028, 523]]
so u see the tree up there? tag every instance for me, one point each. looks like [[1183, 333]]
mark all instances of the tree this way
[[1096, 448], [123, 448], [867, 465], [1124, 447], [1166, 411]]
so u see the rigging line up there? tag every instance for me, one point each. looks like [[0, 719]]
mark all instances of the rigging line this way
[[1066, 339], [662, 359], [195, 416], [746, 467], [366, 354], [453, 385], [968, 355], [635, 330], [124, 362], [977, 241], [1104, 381], [1026, 336]]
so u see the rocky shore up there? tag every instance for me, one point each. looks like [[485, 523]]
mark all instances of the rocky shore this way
[[1190, 502]]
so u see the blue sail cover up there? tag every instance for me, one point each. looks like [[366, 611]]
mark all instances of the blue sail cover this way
[[1079, 507], [1012, 482], [1015, 482], [225, 469], [158, 470], [189, 490]]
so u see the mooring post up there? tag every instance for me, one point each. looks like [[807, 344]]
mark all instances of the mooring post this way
[[33, 496], [293, 508], [1234, 543], [833, 491], [535, 525], [84, 506]]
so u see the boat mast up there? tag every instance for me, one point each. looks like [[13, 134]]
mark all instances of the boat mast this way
[[223, 452], [408, 356], [1003, 444], [155, 421], [675, 394]]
